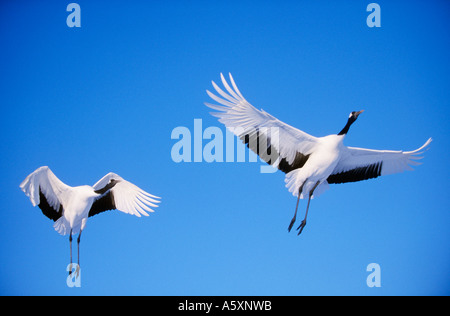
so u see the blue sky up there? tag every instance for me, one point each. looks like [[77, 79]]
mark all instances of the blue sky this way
[[106, 97]]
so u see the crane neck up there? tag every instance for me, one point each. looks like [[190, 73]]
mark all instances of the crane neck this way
[[350, 121]]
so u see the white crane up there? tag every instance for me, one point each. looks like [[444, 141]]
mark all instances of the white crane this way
[[70, 207], [310, 163]]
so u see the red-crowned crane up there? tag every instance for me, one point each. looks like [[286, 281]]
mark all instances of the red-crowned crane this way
[[70, 207], [310, 163]]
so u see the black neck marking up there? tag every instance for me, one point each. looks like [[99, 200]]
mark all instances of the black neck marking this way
[[350, 121]]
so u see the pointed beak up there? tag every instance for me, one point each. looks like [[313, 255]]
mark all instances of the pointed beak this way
[[358, 113]]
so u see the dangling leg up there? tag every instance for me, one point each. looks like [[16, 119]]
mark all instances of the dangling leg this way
[[70, 241], [78, 244], [295, 214], [303, 224]]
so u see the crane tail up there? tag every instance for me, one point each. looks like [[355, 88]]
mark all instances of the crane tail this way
[[62, 226]]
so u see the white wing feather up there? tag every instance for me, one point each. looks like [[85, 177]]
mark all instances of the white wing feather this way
[[129, 198], [393, 161], [242, 119], [53, 188]]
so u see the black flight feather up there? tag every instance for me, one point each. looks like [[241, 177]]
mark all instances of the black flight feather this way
[[260, 144], [358, 174], [104, 203], [47, 210]]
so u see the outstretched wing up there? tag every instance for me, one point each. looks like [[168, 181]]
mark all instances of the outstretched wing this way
[[124, 196], [277, 143], [47, 191], [358, 164]]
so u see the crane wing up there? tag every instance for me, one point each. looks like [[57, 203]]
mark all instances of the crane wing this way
[[277, 143], [47, 191], [358, 164], [124, 196]]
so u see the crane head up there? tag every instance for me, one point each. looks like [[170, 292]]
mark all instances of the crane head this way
[[354, 115]]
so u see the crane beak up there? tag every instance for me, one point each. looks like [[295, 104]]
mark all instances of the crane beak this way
[[358, 113]]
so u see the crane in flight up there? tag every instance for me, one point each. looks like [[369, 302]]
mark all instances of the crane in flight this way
[[310, 163], [70, 207]]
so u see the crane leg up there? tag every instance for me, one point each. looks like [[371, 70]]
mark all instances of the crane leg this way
[[303, 224], [78, 244], [296, 207], [70, 242]]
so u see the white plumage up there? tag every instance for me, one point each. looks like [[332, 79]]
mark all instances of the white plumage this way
[[70, 207], [310, 163]]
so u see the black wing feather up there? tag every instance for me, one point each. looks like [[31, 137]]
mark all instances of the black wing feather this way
[[47, 210], [256, 140], [358, 174], [104, 203], [299, 162]]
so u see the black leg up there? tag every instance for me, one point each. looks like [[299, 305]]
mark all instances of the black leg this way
[[78, 244], [296, 207], [303, 224], [70, 242]]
